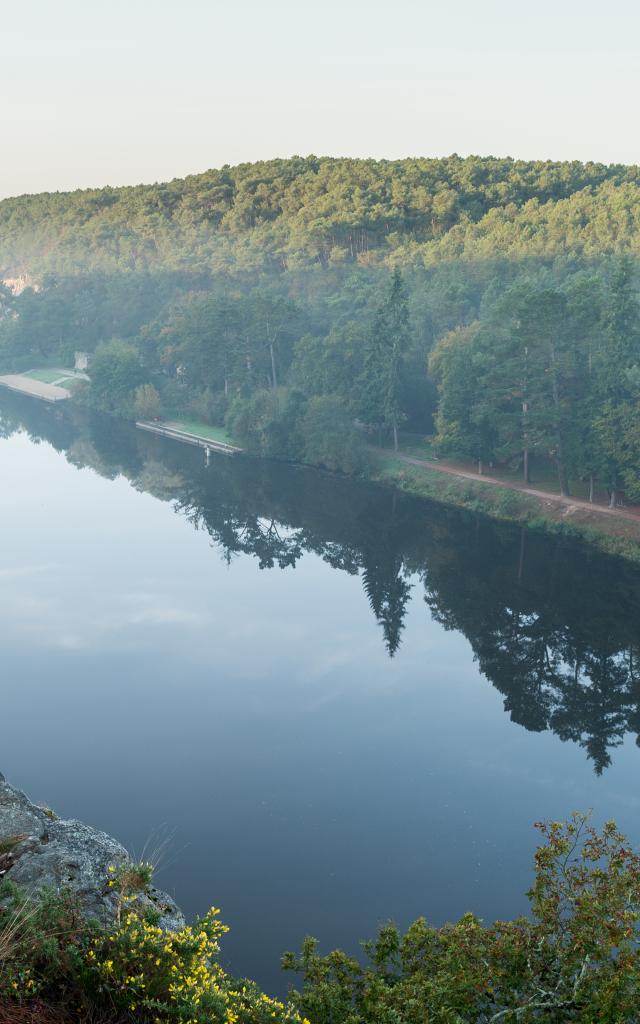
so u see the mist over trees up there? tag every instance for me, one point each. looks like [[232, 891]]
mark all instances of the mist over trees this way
[[491, 302]]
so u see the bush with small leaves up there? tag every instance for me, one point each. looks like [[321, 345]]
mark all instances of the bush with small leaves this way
[[576, 959]]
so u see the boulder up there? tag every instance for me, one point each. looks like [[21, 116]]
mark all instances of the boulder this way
[[40, 851]]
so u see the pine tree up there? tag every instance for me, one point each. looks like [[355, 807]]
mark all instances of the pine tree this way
[[381, 379]]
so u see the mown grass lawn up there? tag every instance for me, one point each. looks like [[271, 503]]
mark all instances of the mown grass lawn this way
[[199, 428], [45, 376]]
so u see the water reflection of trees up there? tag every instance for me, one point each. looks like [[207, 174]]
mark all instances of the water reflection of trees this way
[[553, 625]]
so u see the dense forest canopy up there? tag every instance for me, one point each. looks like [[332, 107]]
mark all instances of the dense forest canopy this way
[[302, 302], [279, 213]]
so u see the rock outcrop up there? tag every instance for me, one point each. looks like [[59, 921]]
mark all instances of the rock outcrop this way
[[40, 851]]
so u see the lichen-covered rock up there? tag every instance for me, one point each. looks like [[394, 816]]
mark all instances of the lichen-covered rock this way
[[40, 851]]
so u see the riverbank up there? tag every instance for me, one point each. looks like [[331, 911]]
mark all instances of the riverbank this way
[[614, 531]]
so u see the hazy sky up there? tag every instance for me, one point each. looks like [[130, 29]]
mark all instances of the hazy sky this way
[[137, 90]]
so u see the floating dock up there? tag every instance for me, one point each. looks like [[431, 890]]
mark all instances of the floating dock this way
[[178, 434]]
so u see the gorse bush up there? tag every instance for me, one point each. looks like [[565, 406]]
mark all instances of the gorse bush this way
[[158, 975], [576, 958], [51, 957]]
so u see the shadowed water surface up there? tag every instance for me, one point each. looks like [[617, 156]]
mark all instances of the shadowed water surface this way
[[341, 704]]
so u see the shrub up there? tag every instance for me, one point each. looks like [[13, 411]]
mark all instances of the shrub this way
[[116, 372], [250, 421], [509, 503], [330, 438], [160, 975], [268, 423], [576, 959], [146, 403], [51, 958], [210, 407], [39, 943]]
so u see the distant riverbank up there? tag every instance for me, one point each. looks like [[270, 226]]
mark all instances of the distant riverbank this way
[[614, 531]]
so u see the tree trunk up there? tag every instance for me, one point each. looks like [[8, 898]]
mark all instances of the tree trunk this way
[[555, 393], [562, 474], [591, 488], [525, 450], [395, 436], [274, 376], [613, 499]]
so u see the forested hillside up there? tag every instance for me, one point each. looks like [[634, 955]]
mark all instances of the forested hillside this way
[[285, 213], [304, 301]]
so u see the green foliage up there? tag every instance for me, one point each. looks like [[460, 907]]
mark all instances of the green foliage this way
[[255, 423], [551, 374], [509, 503], [329, 364], [134, 970], [328, 212], [208, 406], [512, 281], [40, 943], [576, 959], [116, 372], [330, 438], [140, 969], [146, 403], [380, 381]]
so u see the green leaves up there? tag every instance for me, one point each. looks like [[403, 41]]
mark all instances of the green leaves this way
[[576, 959], [380, 384]]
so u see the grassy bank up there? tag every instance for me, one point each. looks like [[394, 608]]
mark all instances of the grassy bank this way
[[504, 499], [193, 426], [610, 533]]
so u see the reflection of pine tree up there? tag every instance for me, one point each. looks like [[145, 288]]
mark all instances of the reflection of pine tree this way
[[388, 591], [591, 707], [554, 627], [546, 633]]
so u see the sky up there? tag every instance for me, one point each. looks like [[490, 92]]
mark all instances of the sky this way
[[141, 91]]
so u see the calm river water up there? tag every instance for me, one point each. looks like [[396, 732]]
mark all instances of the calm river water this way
[[338, 705]]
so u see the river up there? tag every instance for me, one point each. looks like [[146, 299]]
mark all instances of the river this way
[[319, 703]]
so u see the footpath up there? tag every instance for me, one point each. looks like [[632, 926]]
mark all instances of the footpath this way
[[559, 499]]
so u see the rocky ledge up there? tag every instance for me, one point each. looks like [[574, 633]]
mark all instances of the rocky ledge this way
[[40, 851]]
